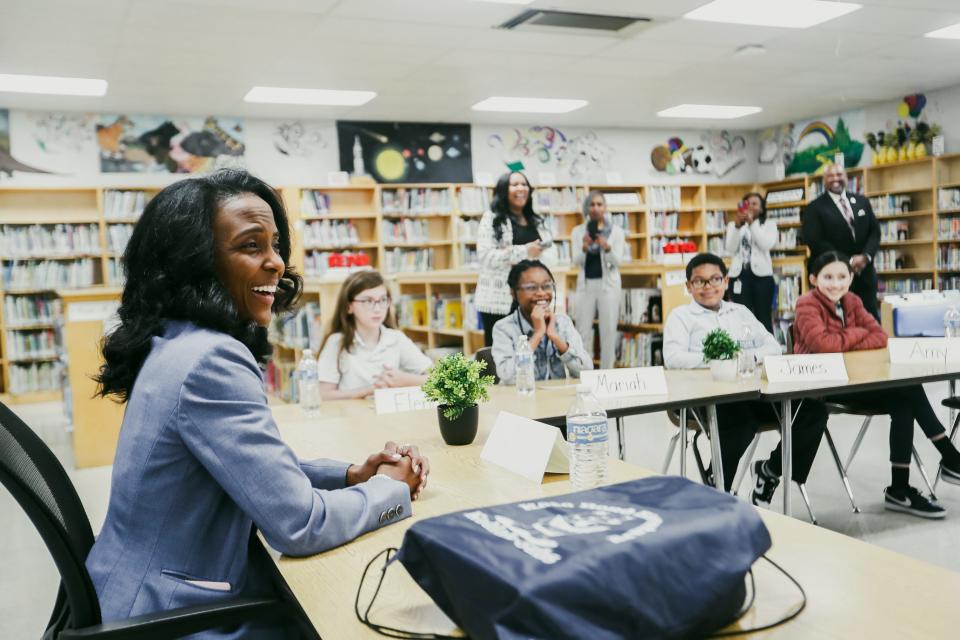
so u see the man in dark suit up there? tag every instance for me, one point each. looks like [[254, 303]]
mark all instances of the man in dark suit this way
[[844, 222]]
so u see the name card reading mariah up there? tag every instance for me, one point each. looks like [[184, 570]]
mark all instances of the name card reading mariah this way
[[924, 350], [618, 383], [400, 399], [821, 367]]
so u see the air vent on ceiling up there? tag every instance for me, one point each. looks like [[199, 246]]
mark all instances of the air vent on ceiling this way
[[541, 19]]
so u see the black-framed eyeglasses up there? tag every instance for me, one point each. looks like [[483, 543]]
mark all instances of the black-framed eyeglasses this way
[[700, 283]]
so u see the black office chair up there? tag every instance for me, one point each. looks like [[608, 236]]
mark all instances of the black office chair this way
[[485, 354], [952, 403], [38, 482]]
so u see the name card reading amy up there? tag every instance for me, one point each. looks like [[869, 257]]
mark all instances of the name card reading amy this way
[[400, 399], [616, 383], [822, 367], [924, 350]]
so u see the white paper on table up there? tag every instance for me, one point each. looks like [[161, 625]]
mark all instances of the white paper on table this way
[[820, 367], [620, 383], [397, 399], [526, 447], [923, 350]]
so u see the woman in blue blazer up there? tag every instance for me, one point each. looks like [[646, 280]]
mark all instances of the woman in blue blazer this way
[[200, 462]]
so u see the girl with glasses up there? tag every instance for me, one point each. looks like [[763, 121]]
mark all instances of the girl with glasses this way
[[363, 350], [556, 345]]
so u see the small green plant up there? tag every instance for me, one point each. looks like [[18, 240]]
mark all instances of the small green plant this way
[[457, 383], [718, 345]]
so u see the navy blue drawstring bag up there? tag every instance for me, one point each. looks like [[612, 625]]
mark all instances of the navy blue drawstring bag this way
[[660, 557]]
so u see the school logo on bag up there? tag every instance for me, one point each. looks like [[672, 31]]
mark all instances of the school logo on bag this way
[[538, 538]]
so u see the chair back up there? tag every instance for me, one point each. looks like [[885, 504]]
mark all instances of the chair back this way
[[789, 337], [486, 355], [38, 482]]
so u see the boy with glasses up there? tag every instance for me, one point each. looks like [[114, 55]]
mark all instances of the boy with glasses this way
[[683, 335]]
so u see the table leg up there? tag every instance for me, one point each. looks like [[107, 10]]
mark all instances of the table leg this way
[[715, 462], [786, 446], [620, 442], [683, 442]]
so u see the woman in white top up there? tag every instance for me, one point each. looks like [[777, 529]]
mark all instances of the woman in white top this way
[[749, 239], [508, 233], [362, 350], [598, 249]]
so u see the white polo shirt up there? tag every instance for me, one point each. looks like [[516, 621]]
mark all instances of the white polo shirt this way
[[361, 363]]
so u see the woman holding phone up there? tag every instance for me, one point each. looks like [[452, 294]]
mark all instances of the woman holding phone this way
[[750, 237], [508, 233]]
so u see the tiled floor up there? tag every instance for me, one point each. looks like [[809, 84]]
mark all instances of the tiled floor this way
[[29, 580]]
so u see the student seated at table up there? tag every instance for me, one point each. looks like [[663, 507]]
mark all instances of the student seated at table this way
[[557, 346], [363, 350], [200, 464], [683, 335], [830, 319]]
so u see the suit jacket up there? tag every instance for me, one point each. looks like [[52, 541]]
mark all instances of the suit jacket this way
[[200, 463], [824, 228], [818, 329]]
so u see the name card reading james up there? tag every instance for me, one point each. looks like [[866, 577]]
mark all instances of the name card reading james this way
[[400, 399], [923, 350], [822, 367], [617, 383], [526, 447]]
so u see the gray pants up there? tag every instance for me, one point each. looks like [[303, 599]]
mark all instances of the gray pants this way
[[592, 298]]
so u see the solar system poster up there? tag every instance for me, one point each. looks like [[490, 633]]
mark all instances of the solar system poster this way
[[406, 151]]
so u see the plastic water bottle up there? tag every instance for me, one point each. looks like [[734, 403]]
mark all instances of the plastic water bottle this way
[[308, 384], [748, 361], [951, 323], [587, 433], [526, 374]]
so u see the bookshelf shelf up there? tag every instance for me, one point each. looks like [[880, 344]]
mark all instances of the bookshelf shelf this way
[[908, 214], [903, 243], [899, 272], [30, 327], [784, 205], [28, 359], [51, 256]]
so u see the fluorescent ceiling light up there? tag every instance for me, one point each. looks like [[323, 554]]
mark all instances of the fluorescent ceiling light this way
[[325, 97], [52, 85], [529, 105], [791, 14], [950, 33], [708, 111]]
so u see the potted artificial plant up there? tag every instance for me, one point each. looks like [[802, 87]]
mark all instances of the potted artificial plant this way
[[457, 383], [720, 350]]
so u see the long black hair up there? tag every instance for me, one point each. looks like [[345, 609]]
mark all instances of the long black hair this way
[[816, 265], [763, 204], [517, 270], [500, 205], [170, 275]]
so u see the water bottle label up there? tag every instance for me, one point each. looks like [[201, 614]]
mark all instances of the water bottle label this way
[[587, 432]]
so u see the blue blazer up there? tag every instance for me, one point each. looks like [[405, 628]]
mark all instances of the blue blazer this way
[[200, 463]]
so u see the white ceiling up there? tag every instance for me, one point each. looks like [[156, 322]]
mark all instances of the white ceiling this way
[[433, 59]]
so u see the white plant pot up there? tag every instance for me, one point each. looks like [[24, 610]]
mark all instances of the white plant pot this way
[[724, 370]]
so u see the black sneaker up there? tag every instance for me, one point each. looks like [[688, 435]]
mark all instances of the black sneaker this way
[[950, 473], [911, 501], [764, 485]]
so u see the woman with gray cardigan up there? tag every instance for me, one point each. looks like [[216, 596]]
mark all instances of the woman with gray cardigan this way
[[598, 249]]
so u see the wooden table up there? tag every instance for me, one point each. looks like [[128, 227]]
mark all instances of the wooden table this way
[[854, 589], [867, 371]]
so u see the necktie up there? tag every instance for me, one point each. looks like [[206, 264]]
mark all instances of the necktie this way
[[847, 214]]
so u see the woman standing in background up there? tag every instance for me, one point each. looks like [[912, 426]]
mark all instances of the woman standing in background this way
[[749, 238], [598, 249], [508, 233]]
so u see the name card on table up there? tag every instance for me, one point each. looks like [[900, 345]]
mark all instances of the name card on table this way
[[618, 383], [822, 367], [526, 447], [923, 350], [400, 399]]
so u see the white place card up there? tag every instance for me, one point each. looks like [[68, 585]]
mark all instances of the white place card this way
[[399, 399], [619, 383], [338, 178], [923, 350], [821, 367], [676, 277], [526, 447]]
